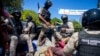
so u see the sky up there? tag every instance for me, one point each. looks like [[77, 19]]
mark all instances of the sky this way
[[62, 4]]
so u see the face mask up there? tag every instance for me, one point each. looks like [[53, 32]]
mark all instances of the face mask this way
[[64, 21]]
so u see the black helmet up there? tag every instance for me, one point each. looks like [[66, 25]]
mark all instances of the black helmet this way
[[84, 19], [64, 18], [48, 3], [29, 18], [91, 18], [16, 13]]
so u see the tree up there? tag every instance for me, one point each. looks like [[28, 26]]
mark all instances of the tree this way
[[55, 20], [11, 5], [77, 26], [34, 15]]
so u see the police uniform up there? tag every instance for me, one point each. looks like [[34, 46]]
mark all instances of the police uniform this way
[[69, 29], [46, 15], [80, 38], [17, 36], [29, 34], [41, 49], [87, 41], [66, 35]]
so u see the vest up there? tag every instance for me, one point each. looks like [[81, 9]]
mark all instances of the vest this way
[[17, 26], [46, 15], [88, 44]]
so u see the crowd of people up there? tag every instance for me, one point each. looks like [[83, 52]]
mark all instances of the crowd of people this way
[[51, 42]]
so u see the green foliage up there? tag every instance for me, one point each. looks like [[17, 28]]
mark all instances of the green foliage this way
[[11, 5], [77, 26], [34, 15], [26, 13], [55, 20]]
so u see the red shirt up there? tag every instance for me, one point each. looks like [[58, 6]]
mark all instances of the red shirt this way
[[60, 44]]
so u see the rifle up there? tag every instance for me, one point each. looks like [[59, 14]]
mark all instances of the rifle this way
[[38, 6]]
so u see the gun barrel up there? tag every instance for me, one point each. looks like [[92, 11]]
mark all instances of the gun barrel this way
[[38, 5]]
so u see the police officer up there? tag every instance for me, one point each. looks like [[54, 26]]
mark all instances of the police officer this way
[[29, 30], [67, 28], [29, 34], [16, 29], [87, 41], [44, 16], [30, 26]]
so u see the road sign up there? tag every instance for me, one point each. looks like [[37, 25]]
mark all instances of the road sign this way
[[71, 12]]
